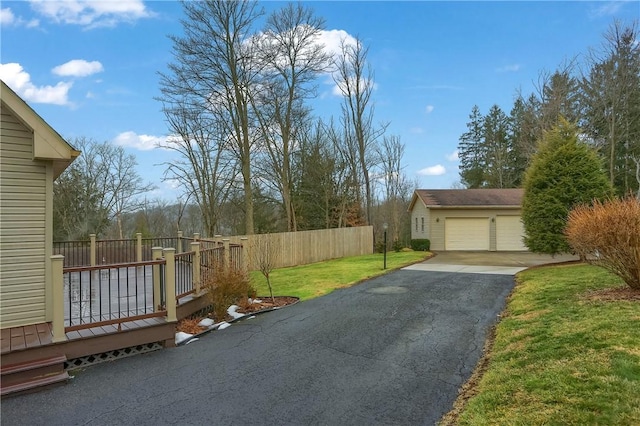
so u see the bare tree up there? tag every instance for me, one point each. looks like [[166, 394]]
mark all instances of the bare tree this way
[[291, 59], [354, 78], [612, 100], [390, 153], [102, 184], [213, 71], [206, 168], [265, 253]]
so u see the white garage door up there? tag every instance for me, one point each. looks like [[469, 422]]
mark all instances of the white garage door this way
[[509, 233], [466, 233]]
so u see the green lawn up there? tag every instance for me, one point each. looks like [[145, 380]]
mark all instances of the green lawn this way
[[317, 279], [560, 358]]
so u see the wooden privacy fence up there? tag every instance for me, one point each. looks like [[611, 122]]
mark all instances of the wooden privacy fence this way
[[303, 247]]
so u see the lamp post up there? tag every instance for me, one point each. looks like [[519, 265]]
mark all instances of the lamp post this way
[[385, 226]]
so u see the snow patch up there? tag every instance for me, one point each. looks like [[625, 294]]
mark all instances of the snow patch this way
[[223, 325], [232, 311], [182, 336], [206, 322]]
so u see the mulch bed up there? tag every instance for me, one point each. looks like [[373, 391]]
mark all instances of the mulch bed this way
[[190, 325], [613, 294]]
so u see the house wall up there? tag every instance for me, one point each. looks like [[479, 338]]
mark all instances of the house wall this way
[[23, 224], [438, 216], [420, 213]]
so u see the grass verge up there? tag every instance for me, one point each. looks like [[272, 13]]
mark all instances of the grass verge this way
[[561, 355], [317, 279]]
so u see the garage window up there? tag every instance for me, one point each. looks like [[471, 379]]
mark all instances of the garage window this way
[[423, 224], [416, 224]]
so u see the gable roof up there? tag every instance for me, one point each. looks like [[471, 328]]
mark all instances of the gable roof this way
[[47, 143], [467, 198]]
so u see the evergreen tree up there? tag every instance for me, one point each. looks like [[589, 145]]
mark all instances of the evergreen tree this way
[[564, 173], [471, 151]]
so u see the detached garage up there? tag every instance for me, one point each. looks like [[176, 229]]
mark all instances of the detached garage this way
[[468, 219]]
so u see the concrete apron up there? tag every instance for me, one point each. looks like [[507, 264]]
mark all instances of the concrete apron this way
[[465, 269], [483, 262]]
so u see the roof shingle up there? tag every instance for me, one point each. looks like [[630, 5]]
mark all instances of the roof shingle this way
[[470, 197]]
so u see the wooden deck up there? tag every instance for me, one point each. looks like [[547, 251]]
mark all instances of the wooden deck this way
[[21, 338], [33, 342]]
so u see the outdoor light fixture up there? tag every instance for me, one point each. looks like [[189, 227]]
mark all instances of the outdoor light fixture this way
[[437, 219], [385, 226]]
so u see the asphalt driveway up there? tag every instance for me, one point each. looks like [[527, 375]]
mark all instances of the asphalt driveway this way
[[393, 350]]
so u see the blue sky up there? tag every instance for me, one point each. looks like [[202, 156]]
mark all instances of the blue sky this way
[[90, 68]]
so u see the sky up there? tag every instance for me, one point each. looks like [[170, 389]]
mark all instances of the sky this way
[[90, 68]]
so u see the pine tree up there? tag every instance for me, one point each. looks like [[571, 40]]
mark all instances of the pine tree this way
[[471, 151], [564, 173]]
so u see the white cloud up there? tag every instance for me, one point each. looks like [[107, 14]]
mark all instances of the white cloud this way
[[91, 14], [7, 18], [436, 170], [416, 130], [332, 39], [340, 90], [140, 142], [607, 9], [20, 81], [509, 68], [78, 68], [429, 109], [453, 156]]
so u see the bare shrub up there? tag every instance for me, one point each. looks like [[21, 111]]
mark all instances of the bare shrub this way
[[266, 252], [227, 287], [608, 235]]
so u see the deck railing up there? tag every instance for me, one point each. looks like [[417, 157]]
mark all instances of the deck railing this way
[[106, 252], [97, 295]]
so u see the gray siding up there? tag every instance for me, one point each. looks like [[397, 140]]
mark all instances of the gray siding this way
[[23, 184]]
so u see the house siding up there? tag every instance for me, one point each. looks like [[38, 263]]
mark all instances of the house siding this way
[[419, 213], [23, 207], [438, 218]]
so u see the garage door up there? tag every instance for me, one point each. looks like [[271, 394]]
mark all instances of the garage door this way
[[509, 233], [466, 233]]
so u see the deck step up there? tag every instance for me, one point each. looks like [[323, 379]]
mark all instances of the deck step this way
[[28, 375], [37, 383]]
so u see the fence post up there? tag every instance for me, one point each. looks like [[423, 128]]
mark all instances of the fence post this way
[[92, 250], [226, 254], [196, 236], [57, 266], [195, 247], [244, 256], [179, 242], [156, 254], [138, 247], [170, 283], [218, 239]]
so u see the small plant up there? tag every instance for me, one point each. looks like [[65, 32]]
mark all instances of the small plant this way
[[421, 244], [397, 246], [225, 288], [608, 235], [265, 255], [379, 247]]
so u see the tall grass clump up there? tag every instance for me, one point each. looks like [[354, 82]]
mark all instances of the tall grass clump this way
[[227, 286]]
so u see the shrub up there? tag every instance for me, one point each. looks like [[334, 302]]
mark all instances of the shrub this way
[[421, 244], [608, 235], [397, 246], [564, 173], [227, 287]]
